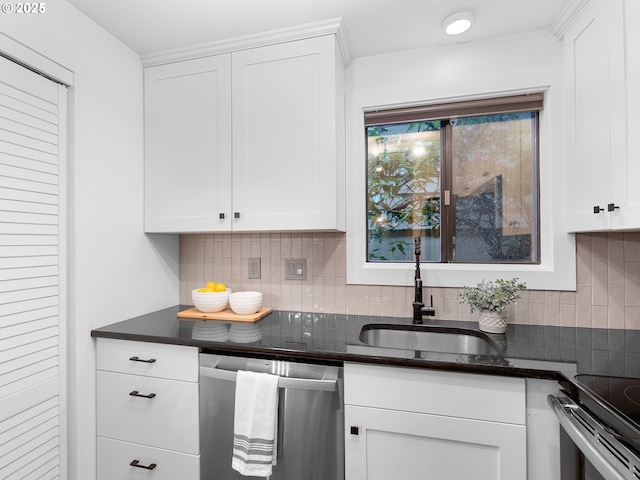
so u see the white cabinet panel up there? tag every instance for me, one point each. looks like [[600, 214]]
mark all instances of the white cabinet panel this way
[[588, 126], [415, 423], [602, 146], [630, 216], [286, 103], [148, 359], [188, 145], [396, 444], [543, 431], [147, 410], [152, 411], [251, 140], [482, 397], [115, 458]]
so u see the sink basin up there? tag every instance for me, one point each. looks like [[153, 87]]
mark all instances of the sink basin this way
[[430, 338]]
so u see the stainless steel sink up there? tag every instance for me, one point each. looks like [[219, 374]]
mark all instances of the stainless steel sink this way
[[428, 338]]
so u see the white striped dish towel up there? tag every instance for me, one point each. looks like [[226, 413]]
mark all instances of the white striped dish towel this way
[[255, 424]]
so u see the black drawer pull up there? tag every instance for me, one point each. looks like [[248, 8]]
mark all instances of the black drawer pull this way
[[137, 359], [136, 463], [135, 393]]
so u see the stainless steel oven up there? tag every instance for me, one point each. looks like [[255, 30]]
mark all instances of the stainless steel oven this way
[[600, 430]]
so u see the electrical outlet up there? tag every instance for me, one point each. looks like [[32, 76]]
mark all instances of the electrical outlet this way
[[295, 268], [254, 268]]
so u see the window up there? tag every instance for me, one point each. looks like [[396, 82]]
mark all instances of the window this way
[[463, 176]]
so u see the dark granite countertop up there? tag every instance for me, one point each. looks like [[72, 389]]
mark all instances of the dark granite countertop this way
[[525, 350]]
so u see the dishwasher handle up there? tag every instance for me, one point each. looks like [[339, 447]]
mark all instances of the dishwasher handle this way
[[328, 383], [562, 408]]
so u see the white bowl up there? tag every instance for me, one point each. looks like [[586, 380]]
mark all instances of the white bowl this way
[[211, 332], [210, 302], [245, 303], [240, 333]]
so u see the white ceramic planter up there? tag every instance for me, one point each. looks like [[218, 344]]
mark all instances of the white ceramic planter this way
[[492, 322]]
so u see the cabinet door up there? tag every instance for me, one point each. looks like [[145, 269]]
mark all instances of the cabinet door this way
[[188, 145], [626, 192], [594, 51], [285, 151], [396, 444]]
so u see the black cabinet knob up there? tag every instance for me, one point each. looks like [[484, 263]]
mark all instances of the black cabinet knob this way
[[236, 214], [597, 209], [612, 207], [355, 430], [221, 216]]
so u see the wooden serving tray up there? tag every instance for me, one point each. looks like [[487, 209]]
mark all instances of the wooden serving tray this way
[[224, 316]]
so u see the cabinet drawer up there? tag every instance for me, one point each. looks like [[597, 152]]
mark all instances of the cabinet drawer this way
[[150, 359], [168, 419], [115, 457], [475, 396]]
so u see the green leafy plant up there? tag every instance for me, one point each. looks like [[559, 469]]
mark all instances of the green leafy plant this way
[[493, 296], [403, 188]]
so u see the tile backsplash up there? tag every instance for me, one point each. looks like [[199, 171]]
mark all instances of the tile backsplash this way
[[607, 296]]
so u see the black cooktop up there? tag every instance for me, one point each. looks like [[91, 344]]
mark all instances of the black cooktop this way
[[622, 394], [615, 401]]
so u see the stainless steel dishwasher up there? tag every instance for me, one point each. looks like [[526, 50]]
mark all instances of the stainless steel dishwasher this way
[[310, 418]]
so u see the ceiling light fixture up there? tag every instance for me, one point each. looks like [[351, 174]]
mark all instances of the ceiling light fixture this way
[[457, 23]]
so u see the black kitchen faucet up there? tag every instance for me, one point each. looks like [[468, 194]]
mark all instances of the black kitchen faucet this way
[[419, 308]]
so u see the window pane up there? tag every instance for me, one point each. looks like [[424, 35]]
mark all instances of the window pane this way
[[495, 188], [403, 179]]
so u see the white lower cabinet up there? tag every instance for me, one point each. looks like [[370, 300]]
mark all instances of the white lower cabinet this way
[[147, 411], [392, 444], [115, 458], [416, 424]]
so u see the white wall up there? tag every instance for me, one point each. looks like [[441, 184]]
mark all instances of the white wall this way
[[502, 66], [115, 270]]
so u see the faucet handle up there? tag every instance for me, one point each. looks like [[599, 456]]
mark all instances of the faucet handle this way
[[416, 246]]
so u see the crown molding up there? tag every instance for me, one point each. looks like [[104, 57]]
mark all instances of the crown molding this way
[[567, 17], [300, 32]]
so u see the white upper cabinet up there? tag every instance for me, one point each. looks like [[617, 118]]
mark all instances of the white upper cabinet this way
[[247, 140], [631, 216], [288, 150], [188, 145], [602, 146]]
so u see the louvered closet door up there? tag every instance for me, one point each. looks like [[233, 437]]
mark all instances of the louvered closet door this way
[[31, 125]]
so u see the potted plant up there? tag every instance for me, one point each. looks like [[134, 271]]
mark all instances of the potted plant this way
[[491, 299]]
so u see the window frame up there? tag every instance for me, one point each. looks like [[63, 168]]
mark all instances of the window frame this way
[[446, 113], [556, 270]]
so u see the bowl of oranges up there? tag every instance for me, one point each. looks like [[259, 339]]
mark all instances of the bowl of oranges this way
[[214, 297]]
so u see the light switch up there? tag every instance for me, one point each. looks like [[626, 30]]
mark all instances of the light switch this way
[[295, 268]]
